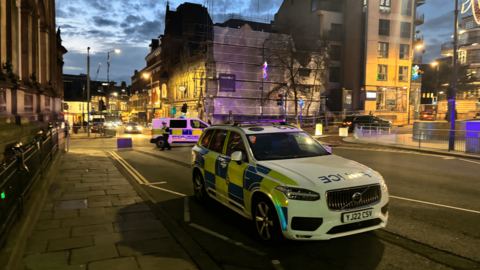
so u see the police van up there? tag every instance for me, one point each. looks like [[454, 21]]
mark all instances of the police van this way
[[182, 130], [288, 183]]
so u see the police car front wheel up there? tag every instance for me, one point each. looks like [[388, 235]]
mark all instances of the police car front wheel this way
[[199, 188], [266, 222]]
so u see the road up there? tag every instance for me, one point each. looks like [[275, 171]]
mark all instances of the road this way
[[434, 213]]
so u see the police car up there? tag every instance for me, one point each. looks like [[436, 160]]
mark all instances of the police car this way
[[182, 130], [286, 182]]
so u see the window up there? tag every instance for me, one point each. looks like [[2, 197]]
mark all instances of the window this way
[[469, 25], [314, 5], [382, 73], [217, 141], [385, 6], [404, 51], [47, 103], [178, 123], [304, 72], [327, 5], [236, 143], [28, 103], [382, 50], [197, 124], [407, 7], [3, 99], [206, 138], [405, 28], [384, 27], [335, 53], [334, 74], [403, 74]]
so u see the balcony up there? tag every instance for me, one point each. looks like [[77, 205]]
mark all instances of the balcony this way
[[333, 35], [447, 47], [421, 2], [419, 18], [417, 59]]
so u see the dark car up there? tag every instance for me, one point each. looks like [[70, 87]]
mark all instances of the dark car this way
[[132, 127], [365, 120], [427, 116]]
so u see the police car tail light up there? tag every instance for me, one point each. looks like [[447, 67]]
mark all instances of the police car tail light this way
[[299, 193]]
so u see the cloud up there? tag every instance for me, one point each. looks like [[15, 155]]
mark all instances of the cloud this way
[[145, 30], [67, 26], [73, 68], [99, 21]]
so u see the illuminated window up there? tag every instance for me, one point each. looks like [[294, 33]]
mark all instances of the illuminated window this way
[[384, 27], [423, 95], [404, 51], [405, 29], [403, 74], [382, 50], [382, 73], [385, 6]]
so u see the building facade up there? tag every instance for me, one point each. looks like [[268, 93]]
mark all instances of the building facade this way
[[31, 63]]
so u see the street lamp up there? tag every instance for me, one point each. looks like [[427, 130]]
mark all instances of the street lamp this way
[[434, 63]]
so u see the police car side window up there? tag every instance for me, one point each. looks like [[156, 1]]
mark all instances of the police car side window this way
[[236, 143], [178, 123], [206, 139], [217, 141], [197, 124]]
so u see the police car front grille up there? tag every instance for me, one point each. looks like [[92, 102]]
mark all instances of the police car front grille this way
[[341, 199]]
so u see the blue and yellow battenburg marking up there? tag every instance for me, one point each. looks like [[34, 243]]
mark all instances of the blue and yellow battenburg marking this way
[[181, 133]]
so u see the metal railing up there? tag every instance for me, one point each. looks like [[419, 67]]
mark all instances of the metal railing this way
[[19, 173], [465, 141]]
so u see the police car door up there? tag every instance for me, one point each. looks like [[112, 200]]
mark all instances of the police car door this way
[[178, 130], [197, 127], [216, 165], [235, 176]]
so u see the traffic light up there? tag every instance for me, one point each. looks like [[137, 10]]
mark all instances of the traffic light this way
[[184, 108], [280, 100], [174, 110], [101, 106]]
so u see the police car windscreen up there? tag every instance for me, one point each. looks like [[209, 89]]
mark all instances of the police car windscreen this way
[[284, 146]]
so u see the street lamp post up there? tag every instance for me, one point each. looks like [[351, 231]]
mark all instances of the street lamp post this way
[[451, 141], [88, 91], [108, 66], [146, 76]]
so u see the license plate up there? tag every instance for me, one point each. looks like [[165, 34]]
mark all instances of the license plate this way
[[357, 216]]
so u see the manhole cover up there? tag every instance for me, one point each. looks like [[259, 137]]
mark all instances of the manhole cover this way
[[69, 205]]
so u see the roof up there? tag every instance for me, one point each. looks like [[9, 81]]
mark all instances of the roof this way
[[259, 129]]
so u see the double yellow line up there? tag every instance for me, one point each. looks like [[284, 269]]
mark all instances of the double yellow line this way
[[140, 179]]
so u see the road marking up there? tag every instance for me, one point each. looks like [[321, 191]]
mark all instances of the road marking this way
[[126, 168], [183, 195], [277, 265], [388, 150], [186, 210], [125, 164], [469, 161], [254, 250], [156, 183], [449, 158], [441, 205]]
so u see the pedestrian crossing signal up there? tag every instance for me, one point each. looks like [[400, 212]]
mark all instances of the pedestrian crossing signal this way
[[279, 100], [2, 195]]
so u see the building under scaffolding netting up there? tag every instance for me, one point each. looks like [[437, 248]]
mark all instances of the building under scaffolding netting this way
[[242, 60]]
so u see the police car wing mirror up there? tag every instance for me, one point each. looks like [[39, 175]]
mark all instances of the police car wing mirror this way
[[237, 156], [328, 148]]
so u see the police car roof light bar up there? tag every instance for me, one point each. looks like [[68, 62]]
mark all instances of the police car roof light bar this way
[[280, 121]]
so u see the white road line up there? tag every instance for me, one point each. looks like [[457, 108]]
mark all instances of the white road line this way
[[469, 161], [228, 239], [183, 195], [277, 265], [126, 168], [145, 181], [441, 205], [186, 210]]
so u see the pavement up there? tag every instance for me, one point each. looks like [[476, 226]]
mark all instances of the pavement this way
[[94, 219]]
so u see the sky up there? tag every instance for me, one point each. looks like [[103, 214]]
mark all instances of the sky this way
[[129, 25]]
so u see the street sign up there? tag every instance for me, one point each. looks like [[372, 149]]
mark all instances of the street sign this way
[[343, 132], [319, 130], [300, 103]]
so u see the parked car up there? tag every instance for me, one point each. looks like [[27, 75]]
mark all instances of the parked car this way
[[427, 116], [477, 115], [132, 127], [369, 120]]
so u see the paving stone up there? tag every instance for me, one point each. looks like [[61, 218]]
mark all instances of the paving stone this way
[[99, 204], [134, 225], [35, 247], [50, 234], [92, 229], [44, 215], [70, 243], [102, 198], [82, 195], [77, 189], [122, 187], [128, 263], [152, 262], [127, 209], [138, 216], [95, 253], [123, 202], [88, 185], [94, 180], [150, 246], [71, 267], [92, 212], [68, 184], [90, 220], [65, 213], [128, 196], [47, 224], [129, 236], [47, 260], [101, 188], [48, 207]]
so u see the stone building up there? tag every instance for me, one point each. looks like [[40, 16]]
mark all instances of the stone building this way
[[31, 63]]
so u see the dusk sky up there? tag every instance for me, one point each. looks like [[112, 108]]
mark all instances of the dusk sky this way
[[129, 25]]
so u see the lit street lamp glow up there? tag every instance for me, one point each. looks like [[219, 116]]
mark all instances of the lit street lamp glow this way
[[434, 63], [117, 51]]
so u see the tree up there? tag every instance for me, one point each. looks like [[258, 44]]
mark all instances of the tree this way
[[303, 60]]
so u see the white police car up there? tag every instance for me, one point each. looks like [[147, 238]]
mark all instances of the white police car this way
[[287, 183]]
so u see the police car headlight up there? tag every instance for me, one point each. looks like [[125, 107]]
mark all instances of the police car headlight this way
[[382, 182], [139, 128], [299, 193], [129, 128]]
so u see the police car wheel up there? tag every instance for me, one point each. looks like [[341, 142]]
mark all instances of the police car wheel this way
[[160, 143], [199, 189], [266, 222]]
